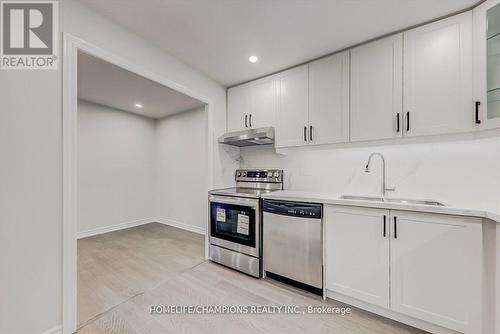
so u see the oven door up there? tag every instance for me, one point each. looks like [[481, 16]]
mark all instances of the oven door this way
[[235, 224]]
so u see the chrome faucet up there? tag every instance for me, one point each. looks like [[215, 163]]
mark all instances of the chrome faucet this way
[[367, 170]]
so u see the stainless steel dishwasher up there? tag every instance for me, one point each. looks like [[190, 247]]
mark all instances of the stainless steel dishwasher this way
[[292, 243]]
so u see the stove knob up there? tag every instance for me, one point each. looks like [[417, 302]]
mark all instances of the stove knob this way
[[276, 174], [238, 174], [244, 174]]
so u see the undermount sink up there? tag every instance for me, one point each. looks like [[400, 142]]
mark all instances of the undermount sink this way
[[362, 198], [392, 200], [413, 201]]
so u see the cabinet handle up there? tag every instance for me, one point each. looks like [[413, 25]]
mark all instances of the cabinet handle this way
[[397, 123], [385, 229], [407, 121], [250, 120], [395, 227], [478, 103], [246, 121], [311, 133], [305, 133]]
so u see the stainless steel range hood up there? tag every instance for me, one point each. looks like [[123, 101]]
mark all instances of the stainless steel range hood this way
[[251, 137]]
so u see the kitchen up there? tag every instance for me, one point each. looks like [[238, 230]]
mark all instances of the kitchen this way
[[363, 175], [412, 84]]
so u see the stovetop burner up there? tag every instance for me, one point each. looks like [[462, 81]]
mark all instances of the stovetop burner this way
[[242, 192], [253, 183]]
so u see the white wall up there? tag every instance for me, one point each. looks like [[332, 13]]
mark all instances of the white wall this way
[[80, 21], [457, 172], [31, 167], [180, 181], [135, 168], [116, 166], [30, 201]]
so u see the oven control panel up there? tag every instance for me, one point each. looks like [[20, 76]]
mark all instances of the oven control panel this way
[[259, 175]]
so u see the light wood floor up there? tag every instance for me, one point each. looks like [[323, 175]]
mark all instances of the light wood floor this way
[[122, 274]]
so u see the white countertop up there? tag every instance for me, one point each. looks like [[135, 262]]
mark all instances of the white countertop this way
[[331, 198]]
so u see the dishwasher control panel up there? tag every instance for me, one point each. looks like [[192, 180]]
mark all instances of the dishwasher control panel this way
[[293, 209]]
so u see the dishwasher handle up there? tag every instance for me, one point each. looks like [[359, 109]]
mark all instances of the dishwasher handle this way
[[293, 209]]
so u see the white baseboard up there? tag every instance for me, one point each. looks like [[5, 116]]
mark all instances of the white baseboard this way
[[175, 223], [386, 313], [106, 229], [54, 330], [122, 226]]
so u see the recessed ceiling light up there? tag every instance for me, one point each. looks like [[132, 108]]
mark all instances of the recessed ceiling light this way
[[138, 105], [253, 59]]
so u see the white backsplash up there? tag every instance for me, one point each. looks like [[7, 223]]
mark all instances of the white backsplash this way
[[458, 172]]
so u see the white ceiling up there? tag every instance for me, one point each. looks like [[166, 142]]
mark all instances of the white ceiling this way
[[107, 84], [218, 36]]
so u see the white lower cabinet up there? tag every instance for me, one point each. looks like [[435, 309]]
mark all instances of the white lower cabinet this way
[[421, 265], [436, 268], [357, 261]]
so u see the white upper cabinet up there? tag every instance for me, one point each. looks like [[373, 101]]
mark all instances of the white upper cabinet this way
[[438, 77], [414, 83], [486, 18], [329, 99], [376, 89], [238, 108], [292, 115], [357, 253], [313, 103], [252, 105], [435, 266], [263, 102]]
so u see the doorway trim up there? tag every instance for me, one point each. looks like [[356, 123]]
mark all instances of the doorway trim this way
[[71, 46]]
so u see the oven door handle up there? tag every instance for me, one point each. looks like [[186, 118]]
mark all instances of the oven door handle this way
[[242, 201]]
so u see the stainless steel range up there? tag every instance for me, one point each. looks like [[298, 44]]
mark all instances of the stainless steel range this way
[[236, 219]]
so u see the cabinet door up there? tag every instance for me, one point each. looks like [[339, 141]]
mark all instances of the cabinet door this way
[[263, 97], [436, 268], [376, 89], [438, 77], [238, 107], [357, 253], [486, 29], [329, 99], [291, 129]]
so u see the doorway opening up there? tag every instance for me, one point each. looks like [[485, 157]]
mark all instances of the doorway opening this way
[[136, 172]]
